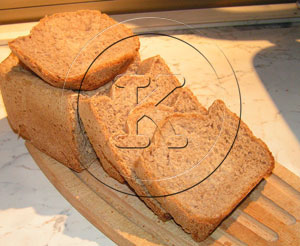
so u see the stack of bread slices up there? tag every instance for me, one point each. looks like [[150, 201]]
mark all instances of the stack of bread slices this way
[[147, 130]]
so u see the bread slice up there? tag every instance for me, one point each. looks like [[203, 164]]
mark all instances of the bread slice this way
[[108, 119], [104, 91], [165, 170], [45, 115], [62, 46]]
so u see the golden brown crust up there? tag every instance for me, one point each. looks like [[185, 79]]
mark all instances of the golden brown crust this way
[[13, 97]]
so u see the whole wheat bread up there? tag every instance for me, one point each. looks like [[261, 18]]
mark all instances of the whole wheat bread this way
[[164, 170], [44, 115], [52, 46], [158, 144], [107, 119]]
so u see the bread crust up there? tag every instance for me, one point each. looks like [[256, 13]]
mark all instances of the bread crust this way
[[13, 101]]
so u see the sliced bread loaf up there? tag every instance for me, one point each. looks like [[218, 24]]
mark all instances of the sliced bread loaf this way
[[108, 119], [62, 46], [45, 115], [226, 179]]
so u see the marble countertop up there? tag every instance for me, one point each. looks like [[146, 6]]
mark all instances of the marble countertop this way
[[266, 61]]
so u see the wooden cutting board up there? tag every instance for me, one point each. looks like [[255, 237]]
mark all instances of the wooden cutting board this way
[[269, 215]]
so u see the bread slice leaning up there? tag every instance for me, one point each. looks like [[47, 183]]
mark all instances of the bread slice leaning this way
[[110, 120], [203, 182], [105, 91], [44, 115], [62, 46]]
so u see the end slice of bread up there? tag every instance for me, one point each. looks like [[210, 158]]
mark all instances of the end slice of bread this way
[[62, 46], [219, 181]]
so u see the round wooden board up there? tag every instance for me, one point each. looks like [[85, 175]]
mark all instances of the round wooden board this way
[[268, 216]]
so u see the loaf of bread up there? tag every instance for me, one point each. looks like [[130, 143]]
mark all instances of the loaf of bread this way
[[227, 175], [62, 46], [185, 162], [44, 115]]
